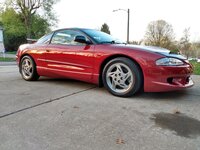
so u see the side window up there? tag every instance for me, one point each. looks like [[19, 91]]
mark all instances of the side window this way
[[45, 39], [66, 37]]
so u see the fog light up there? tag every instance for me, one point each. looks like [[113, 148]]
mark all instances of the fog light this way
[[178, 80]]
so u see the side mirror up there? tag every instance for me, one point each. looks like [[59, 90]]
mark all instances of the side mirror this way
[[81, 39]]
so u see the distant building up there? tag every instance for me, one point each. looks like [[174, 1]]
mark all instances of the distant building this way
[[2, 48]]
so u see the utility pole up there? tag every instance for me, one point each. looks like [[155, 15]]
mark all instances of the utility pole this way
[[128, 26], [128, 21]]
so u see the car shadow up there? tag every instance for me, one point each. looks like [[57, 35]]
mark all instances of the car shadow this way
[[163, 95], [173, 95]]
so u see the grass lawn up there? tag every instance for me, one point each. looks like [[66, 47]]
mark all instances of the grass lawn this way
[[11, 52], [7, 59], [196, 66]]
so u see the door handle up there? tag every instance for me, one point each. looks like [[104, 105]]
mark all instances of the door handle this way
[[47, 51]]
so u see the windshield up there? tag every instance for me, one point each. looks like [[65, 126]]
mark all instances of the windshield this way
[[101, 37], [45, 39]]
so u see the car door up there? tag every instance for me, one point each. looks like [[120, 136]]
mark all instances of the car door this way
[[67, 58]]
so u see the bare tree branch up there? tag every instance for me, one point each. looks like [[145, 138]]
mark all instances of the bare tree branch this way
[[28, 8], [159, 33]]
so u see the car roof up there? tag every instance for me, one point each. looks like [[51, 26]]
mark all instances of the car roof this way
[[74, 28]]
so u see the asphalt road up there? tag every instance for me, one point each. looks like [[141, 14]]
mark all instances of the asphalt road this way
[[55, 114]]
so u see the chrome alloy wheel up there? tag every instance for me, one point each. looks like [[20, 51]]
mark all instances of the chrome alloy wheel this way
[[120, 78], [27, 68]]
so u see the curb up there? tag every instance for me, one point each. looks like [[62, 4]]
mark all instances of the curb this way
[[8, 63]]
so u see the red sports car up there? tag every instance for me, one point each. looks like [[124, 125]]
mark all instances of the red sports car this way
[[96, 57]]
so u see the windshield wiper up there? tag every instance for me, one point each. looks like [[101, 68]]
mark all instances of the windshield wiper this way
[[110, 42]]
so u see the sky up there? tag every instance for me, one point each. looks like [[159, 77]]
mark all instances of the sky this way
[[180, 14]]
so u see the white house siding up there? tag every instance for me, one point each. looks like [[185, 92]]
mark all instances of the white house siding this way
[[2, 48]]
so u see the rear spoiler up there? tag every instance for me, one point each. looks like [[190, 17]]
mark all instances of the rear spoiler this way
[[31, 41]]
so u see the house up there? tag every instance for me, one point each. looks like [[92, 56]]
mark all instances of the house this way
[[2, 48]]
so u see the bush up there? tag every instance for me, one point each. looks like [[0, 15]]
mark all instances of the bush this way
[[14, 30], [12, 42], [196, 66]]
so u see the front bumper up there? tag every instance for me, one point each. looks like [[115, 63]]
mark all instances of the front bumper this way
[[168, 78]]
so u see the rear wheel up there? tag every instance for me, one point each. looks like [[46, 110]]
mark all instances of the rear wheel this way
[[28, 69], [122, 77]]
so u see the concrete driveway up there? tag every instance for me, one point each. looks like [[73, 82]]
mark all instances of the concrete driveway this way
[[55, 114]]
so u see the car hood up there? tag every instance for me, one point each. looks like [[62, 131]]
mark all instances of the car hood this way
[[23, 46], [157, 50]]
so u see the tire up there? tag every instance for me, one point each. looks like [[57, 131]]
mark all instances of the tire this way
[[122, 77], [28, 69]]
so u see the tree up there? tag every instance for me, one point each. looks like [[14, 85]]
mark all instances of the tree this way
[[194, 50], [14, 30], [28, 8], [185, 42], [159, 33], [105, 28], [21, 20], [136, 42], [40, 26]]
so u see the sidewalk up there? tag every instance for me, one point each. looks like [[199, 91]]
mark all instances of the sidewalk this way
[[7, 55], [4, 63]]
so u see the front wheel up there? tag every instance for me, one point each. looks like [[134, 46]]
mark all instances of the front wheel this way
[[28, 69], [122, 77]]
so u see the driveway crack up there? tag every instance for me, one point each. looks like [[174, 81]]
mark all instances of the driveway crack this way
[[45, 102]]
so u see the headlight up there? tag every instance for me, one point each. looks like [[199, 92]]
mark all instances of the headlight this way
[[169, 62]]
